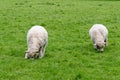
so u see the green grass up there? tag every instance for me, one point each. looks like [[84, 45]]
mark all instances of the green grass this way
[[69, 54]]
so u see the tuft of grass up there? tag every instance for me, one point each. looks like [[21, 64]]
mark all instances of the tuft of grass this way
[[69, 54]]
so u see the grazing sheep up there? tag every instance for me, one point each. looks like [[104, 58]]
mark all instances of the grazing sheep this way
[[99, 36], [37, 38]]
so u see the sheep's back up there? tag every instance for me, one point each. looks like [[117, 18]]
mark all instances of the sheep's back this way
[[37, 34], [98, 30]]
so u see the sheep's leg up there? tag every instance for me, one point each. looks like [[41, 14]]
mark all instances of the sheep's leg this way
[[42, 52], [26, 56], [95, 46]]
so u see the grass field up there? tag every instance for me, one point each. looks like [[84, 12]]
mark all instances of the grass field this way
[[69, 53]]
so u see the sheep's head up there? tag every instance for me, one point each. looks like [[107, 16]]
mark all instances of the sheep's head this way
[[32, 55], [100, 46]]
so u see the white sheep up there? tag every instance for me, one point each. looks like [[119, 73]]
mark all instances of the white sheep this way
[[37, 38], [99, 36]]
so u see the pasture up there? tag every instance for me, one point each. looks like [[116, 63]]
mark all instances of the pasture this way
[[69, 54]]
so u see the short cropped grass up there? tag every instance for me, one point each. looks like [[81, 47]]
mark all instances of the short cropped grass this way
[[69, 54]]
